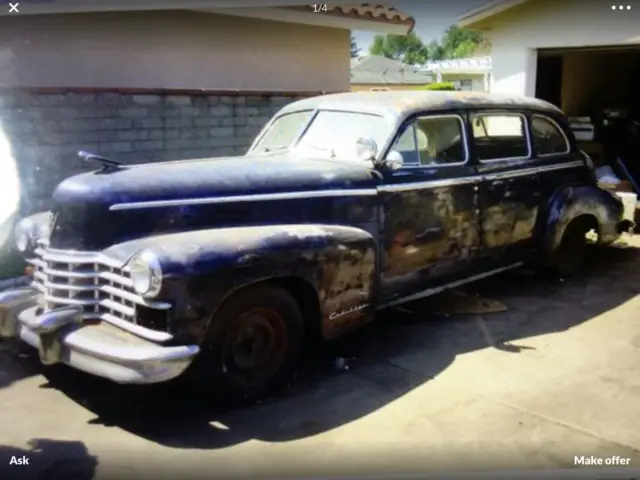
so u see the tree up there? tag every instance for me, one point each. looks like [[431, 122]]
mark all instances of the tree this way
[[484, 47], [408, 49], [355, 50], [456, 43], [435, 51]]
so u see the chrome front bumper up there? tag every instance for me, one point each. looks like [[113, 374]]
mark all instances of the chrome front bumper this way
[[103, 349]]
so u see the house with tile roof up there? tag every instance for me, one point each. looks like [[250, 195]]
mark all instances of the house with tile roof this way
[[378, 73]]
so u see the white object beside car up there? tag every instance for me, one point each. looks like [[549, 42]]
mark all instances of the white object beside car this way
[[9, 191]]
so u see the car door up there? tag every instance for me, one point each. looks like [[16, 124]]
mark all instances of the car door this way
[[429, 229], [509, 192]]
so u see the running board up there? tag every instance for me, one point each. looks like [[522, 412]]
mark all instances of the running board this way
[[457, 283]]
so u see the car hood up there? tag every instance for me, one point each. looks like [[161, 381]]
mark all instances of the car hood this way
[[95, 210], [218, 177]]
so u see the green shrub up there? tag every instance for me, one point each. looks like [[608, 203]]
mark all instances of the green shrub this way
[[440, 86]]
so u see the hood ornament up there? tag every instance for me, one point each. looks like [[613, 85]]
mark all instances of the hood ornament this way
[[107, 163]]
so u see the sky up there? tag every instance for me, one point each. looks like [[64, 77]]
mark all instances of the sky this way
[[432, 17]]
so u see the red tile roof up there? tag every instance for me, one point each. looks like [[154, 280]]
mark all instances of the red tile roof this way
[[371, 12]]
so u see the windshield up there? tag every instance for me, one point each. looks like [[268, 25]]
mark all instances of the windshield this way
[[284, 131], [330, 133]]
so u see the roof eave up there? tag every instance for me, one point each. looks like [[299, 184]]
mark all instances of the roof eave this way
[[471, 18], [328, 19], [291, 11], [101, 6]]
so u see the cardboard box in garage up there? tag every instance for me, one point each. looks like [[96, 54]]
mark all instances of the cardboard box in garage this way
[[623, 186]]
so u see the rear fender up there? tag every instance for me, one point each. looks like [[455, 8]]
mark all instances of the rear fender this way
[[204, 268], [572, 202]]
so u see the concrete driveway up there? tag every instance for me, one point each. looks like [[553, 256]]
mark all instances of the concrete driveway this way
[[555, 377]]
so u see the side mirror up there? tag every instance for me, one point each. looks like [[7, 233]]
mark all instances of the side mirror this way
[[393, 161], [366, 149]]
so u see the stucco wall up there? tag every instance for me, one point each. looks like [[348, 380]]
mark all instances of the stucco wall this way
[[150, 86], [171, 50], [516, 34]]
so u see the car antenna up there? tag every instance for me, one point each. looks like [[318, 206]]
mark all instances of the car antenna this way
[[107, 163]]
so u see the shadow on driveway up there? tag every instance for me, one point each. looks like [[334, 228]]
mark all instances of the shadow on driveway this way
[[17, 362], [48, 460], [320, 401]]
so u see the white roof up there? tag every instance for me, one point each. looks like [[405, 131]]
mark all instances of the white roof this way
[[479, 64]]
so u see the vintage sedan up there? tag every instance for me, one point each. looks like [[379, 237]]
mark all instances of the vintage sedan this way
[[345, 204]]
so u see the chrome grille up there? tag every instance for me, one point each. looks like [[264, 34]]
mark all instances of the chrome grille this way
[[88, 279]]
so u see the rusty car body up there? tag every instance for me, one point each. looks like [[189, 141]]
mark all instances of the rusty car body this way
[[345, 204]]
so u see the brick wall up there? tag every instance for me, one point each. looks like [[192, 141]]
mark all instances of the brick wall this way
[[47, 128]]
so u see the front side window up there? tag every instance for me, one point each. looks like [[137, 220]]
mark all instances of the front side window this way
[[432, 141], [499, 136], [547, 137], [406, 145]]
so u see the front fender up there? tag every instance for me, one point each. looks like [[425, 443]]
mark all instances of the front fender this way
[[203, 268], [572, 202]]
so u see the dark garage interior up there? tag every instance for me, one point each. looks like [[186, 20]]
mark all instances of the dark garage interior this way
[[598, 90]]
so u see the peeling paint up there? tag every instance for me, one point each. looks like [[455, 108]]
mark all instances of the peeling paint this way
[[354, 236]]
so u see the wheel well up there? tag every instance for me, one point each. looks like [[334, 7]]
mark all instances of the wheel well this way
[[306, 297], [302, 292], [585, 221]]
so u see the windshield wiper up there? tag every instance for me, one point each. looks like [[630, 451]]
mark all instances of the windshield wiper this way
[[273, 148], [107, 163]]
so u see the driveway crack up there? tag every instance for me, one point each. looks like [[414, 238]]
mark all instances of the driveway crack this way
[[557, 422]]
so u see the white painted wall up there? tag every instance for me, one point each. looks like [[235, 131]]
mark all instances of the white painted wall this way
[[514, 69], [516, 34]]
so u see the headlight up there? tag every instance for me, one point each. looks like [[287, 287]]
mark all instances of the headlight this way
[[24, 235], [146, 274]]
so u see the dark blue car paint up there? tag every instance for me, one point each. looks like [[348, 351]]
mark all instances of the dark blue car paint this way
[[348, 254], [336, 262], [88, 221], [572, 202]]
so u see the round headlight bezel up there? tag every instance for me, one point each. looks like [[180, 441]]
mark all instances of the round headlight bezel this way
[[24, 235], [146, 274]]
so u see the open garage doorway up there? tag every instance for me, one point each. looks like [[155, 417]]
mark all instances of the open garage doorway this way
[[599, 90], [580, 80]]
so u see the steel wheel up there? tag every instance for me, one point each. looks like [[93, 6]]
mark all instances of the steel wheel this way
[[255, 345], [254, 342]]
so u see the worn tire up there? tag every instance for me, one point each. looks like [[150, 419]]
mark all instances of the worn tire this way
[[273, 313], [569, 258]]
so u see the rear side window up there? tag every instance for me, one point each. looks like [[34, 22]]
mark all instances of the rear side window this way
[[548, 138], [500, 136]]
